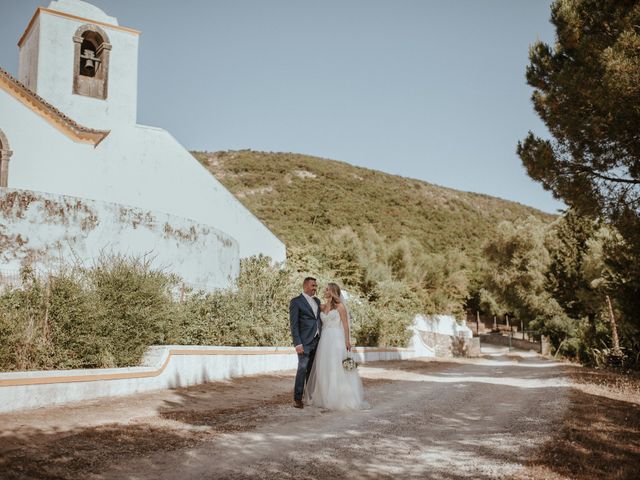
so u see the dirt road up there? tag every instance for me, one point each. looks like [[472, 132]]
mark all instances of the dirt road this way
[[483, 418]]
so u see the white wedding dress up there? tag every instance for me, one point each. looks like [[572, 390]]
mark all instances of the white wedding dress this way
[[330, 385]]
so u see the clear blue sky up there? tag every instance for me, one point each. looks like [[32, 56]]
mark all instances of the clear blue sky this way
[[427, 89]]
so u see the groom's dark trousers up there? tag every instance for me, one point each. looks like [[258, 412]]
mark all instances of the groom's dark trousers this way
[[305, 331]]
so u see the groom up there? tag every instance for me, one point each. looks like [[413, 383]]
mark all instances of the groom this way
[[304, 318]]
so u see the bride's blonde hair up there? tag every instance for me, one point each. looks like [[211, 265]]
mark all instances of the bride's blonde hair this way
[[334, 291]]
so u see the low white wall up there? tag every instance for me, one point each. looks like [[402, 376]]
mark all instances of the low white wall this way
[[166, 367], [47, 231], [443, 324]]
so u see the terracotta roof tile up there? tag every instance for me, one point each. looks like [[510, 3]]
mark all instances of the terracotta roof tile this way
[[45, 109]]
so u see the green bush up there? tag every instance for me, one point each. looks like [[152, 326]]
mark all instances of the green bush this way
[[135, 307], [255, 312], [107, 315], [104, 316]]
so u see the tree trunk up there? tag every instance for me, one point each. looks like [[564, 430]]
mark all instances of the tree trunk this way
[[617, 351]]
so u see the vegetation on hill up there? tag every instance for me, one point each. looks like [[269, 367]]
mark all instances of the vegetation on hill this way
[[303, 199], [400, 246], [376, 233]]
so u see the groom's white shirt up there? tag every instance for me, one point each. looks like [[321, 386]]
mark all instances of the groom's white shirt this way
[[314, 306], [312, 303]]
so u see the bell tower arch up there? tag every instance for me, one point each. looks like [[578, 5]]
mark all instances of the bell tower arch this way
[[91, 61]]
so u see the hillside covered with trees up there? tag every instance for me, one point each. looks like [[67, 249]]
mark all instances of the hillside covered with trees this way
[[304, 199], [401, 246]]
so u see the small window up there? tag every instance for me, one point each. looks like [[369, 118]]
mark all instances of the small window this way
[[91, 63]]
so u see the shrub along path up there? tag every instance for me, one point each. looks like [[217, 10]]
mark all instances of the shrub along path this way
[[505, 415]]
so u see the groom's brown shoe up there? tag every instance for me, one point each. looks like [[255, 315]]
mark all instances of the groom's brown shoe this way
[[298, 404]]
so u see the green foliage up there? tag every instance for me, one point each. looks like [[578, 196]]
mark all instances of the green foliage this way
[[136, 308], [104, 316], [570, 239], [618, 262], [304, 199], [443, 284], [519, 260], [587, 91], [372, 232], [253, 313], [381, 324], [556, 278]]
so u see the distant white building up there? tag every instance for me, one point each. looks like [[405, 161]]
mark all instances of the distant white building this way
[[68, 128]]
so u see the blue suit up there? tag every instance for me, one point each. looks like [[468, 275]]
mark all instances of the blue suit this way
[[305, 331]]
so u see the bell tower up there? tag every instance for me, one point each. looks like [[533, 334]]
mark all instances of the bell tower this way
[[83, 62]]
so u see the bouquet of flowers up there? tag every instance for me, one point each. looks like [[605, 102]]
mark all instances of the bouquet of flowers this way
[[349, 363]]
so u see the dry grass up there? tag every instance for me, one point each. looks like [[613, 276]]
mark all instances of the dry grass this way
[[610, 384], [600, 434]]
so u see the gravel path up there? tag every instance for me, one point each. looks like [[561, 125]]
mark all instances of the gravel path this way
[[470, 419]]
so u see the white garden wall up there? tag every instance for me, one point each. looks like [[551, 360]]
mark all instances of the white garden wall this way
[[166, 367], [442, 324]]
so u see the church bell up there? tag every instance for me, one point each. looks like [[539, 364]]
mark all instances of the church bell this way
[[90, 62]]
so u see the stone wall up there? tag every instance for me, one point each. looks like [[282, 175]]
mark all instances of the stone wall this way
[[47, 231], [503, 340], [447, 346]]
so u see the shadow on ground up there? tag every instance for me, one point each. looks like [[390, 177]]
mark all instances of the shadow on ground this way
[[34, 454]]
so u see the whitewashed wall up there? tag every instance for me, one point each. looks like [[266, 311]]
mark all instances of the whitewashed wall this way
[[135, 165], [47, 231], [166, 367]]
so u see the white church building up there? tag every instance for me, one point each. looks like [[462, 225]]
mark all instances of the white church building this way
[[79, 177]]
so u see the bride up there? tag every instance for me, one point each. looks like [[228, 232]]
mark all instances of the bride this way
[[330, 385]]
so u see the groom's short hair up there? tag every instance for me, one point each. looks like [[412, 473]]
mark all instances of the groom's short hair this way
[[308, 279]]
